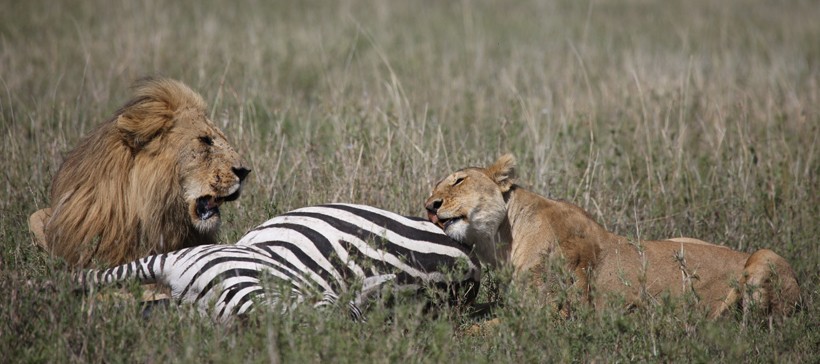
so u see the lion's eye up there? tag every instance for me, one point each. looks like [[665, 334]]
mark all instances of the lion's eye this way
[[458, 181], [206, 140]]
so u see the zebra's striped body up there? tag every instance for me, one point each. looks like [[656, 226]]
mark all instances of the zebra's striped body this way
[[317, 254]]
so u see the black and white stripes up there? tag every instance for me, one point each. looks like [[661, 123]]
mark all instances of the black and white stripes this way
[[312, 255]]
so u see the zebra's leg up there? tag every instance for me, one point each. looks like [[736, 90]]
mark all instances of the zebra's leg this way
[[155, 292], [148, 307]]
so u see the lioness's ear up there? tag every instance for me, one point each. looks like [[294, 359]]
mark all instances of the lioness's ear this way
[[503, 172]]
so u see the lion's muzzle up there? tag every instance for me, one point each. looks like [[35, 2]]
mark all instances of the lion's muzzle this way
[[208, 206], [241, 172]]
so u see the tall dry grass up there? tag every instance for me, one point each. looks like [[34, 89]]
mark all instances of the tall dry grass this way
[[694, 118]]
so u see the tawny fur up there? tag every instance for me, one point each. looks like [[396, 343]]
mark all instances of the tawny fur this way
[[507, 224], [130, 187]]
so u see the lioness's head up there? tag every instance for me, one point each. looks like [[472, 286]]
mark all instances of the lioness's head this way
[[169, 132], [469, 203], [149, 180]]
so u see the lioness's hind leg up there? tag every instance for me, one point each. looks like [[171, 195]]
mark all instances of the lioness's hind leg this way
[[769, 282]]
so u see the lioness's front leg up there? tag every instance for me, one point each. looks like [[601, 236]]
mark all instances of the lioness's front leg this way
[[769, 283]]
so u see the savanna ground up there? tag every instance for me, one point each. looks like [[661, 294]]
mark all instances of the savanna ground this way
[[668, 118]]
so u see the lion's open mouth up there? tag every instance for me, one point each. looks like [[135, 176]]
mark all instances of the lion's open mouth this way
[[208, 206]]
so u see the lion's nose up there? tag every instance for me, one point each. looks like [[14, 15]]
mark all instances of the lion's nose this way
[[433, 206], [241, 172]]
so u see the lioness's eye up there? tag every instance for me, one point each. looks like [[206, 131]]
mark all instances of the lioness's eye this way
[[206, 140], [458, 180]]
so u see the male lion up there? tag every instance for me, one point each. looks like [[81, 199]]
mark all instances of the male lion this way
[[506, 224], [149, 180]]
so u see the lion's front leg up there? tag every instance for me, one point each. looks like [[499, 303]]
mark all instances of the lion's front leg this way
[[37, 224]]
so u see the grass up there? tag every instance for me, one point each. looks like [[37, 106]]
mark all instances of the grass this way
[[675, 118]]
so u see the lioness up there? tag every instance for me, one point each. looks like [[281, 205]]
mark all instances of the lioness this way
[[507, 224]]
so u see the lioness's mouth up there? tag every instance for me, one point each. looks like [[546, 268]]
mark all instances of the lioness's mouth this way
[[442, 223]]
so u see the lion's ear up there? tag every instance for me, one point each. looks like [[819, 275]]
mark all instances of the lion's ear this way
[[142, 121], [151, 112], [503, 172]]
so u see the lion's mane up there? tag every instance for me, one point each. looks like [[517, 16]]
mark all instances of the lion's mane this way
[[114, 201]]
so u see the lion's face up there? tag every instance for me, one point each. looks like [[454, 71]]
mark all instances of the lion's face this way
[[149, 180], [469, 204], [210, 172]]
